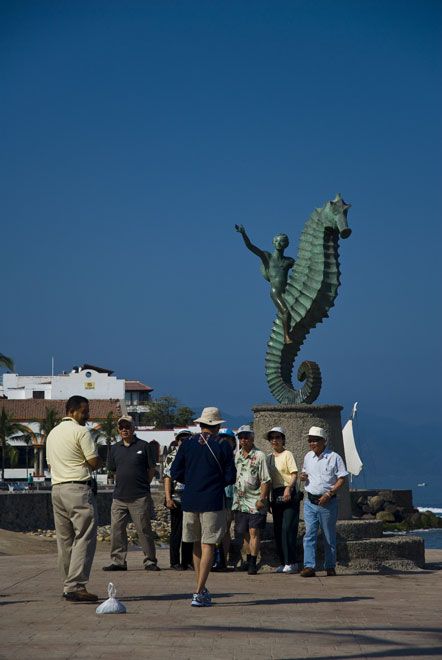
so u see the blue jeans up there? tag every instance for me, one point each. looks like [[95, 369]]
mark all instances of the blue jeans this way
[[325, 516]]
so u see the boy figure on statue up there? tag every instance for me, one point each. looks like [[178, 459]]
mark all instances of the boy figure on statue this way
[[275, 269]]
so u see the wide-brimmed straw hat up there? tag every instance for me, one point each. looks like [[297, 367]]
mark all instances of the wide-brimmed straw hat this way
[[210, 417]]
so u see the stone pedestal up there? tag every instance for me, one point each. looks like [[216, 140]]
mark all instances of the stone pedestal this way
[[296, 421]]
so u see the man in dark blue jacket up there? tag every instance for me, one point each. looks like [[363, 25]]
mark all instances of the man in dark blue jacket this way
[[205, 465]]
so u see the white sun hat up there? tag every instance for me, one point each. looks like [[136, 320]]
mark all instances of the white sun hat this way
[[245, 428], [179, 432], [275, 429], [317, 432]]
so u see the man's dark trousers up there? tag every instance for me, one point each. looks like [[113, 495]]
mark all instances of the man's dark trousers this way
[[176, 532]]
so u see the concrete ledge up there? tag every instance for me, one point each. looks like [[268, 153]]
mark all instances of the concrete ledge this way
[[293, 407], [357, 530], [361, 546], [402, 553], [25, 512]]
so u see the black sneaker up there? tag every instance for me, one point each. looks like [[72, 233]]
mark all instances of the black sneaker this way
[[152, 567], [115, 567], [80, 596]]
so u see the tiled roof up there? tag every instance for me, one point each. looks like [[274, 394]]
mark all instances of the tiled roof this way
[[136, 386], [28, 410]]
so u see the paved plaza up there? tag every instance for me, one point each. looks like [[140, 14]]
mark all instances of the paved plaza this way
[[266, 616]]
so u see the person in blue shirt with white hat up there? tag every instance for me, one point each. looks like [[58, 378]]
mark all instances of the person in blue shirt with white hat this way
[[323, 474]]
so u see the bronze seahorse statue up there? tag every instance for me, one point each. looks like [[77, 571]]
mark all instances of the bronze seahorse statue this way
[[303, 297]]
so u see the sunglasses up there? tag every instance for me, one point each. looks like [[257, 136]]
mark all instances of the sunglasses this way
[[317, 440], [124, 427]]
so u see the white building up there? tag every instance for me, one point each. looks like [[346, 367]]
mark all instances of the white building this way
[[28, 398], [92, 382], [163, 436]]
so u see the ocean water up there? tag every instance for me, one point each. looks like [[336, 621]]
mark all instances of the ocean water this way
[[432, 537]]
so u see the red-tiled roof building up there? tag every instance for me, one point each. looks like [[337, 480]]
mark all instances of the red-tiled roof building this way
[[34, 410]]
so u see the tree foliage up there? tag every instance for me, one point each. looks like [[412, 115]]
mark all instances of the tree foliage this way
[[50, 421], [107, 429], [6, 362], [8, 428], [167, 413]]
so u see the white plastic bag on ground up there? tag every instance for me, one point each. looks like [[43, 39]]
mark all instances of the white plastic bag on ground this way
[[111, 605]]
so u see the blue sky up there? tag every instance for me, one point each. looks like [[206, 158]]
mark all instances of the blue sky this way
[[136, 134]]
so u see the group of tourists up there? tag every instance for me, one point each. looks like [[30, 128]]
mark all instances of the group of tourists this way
[[215, 483]]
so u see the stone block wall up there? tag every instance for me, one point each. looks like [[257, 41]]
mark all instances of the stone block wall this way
[[25, 512], [29, 511], [403, 498]]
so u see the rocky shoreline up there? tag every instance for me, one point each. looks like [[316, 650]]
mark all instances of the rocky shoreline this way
[[384, 507]]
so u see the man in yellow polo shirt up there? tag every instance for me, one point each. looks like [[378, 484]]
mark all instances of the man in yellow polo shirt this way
[[71, 455]]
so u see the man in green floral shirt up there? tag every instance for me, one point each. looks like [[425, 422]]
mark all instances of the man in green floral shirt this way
[[251, 494]]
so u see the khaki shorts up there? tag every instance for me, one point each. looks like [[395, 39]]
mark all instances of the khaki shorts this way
[[205, 526]]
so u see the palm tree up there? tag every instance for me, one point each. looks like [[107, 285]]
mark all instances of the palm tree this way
[[107, 429], [9, 427], [6, 362], [29, 440], [50, 421]]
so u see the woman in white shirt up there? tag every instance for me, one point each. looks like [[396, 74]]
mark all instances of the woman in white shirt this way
[[285, 502]]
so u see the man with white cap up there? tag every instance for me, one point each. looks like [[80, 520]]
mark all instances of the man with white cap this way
[[324, 474], [205, 465], [131, 460]]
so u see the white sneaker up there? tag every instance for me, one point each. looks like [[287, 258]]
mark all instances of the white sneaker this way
[[280, 569], [289, 568]]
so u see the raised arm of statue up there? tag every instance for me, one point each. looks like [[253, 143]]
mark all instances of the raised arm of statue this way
[[253, 248]]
